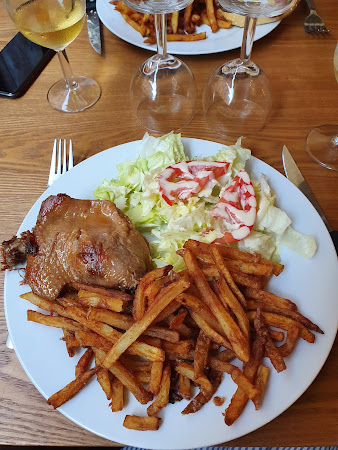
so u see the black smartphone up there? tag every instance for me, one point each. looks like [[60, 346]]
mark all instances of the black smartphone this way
[[21, 62]]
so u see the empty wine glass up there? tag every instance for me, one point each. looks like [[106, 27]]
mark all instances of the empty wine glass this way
[[55, 24], [163, 90], [322, 141], [237, 97]]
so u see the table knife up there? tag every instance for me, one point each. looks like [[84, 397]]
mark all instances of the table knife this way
[[293, 173], [93, 26]]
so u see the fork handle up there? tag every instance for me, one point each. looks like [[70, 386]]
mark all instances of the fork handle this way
[[310, 5]]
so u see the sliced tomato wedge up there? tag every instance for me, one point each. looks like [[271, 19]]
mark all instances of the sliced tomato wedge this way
[[184, 179], [238, 208]]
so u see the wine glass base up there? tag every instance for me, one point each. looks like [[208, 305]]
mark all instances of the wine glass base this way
[[322, 146], [83, 95]]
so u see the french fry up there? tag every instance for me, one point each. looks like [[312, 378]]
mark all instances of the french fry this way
[[124, 322], [188, 27], [84, 362], [184, 386], [268, 297], [90, 299], [163, 299], [117, 400], [112, 335], [237, 376], [295, 315], [283, 322], [139, 304], [187, 37], [240, 398], [177, 320], [203, 397], [261, 380], [154, 288], [211, 15], [188, 371], [156, 373], [231, 329], [223, 269], [270, 348], [52, 321], [174, 21], [127, 379], [276, 335], [141, 423], [106, 292], [67, 336], [203, 318], [290, 341], [228, 298], [71, 389], [181, 348], [162, 398], [201, 354], [42, 303]]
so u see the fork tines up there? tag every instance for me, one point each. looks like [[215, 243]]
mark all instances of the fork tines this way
[[59, 158]]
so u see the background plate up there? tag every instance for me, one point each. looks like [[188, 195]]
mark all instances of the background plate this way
[[217, 42], [312, 284]]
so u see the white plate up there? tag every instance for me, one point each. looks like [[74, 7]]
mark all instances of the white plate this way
[[312, 284], [217, 42]]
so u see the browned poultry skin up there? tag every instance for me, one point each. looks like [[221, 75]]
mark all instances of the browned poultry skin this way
[[87, 241]]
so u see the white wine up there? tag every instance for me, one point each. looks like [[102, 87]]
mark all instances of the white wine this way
[[51, 23]]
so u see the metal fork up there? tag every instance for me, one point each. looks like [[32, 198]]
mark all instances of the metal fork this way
[[59, 165], [59, 158], [313, 23]]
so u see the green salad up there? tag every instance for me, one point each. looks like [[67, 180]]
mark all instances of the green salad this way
[[136, 192]]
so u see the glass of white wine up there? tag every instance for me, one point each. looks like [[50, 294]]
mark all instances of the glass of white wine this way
[[55, 24], [322, 141]]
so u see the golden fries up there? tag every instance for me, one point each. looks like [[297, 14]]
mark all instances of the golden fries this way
[[181, 25], [181, 332]]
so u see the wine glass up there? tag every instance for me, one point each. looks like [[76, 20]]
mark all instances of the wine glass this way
[[55, 24], [237, 98], [163, 90], [322, 141]]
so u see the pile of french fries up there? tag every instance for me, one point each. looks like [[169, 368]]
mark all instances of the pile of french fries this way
[[181, 25], [178, 333]]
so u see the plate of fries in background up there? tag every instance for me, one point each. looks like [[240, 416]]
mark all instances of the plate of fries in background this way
[[193, 31], [303, 293]]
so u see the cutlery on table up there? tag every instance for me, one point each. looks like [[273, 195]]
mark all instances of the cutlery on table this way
[[313, 23], [93, 26], [59, 165], [293, 174]]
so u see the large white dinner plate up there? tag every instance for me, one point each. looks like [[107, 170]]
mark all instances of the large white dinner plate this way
[[220, 41], [312, 284]]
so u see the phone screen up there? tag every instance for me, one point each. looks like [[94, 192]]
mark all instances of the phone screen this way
[[21, 62]]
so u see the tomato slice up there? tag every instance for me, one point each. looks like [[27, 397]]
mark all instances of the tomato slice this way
[[181, 181], [238, 208]]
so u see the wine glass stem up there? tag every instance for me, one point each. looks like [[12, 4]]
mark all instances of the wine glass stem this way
[[161, 33], [67, 70], [248, 37]]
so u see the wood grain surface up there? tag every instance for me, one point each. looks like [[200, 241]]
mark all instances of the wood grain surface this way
[[305, 94]]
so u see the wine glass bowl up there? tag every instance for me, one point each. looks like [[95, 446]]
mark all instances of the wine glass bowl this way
[[236, 99], [55, 24], [162, 91], [163, 94]]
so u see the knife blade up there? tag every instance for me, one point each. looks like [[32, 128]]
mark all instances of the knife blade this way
[[293, 174], [93, 26]]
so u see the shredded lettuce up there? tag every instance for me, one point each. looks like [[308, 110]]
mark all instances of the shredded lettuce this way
[[136, 193]]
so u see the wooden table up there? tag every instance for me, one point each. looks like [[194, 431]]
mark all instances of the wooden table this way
[[305, 95]]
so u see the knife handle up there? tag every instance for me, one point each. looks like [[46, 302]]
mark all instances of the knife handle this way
[[334, 236]]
